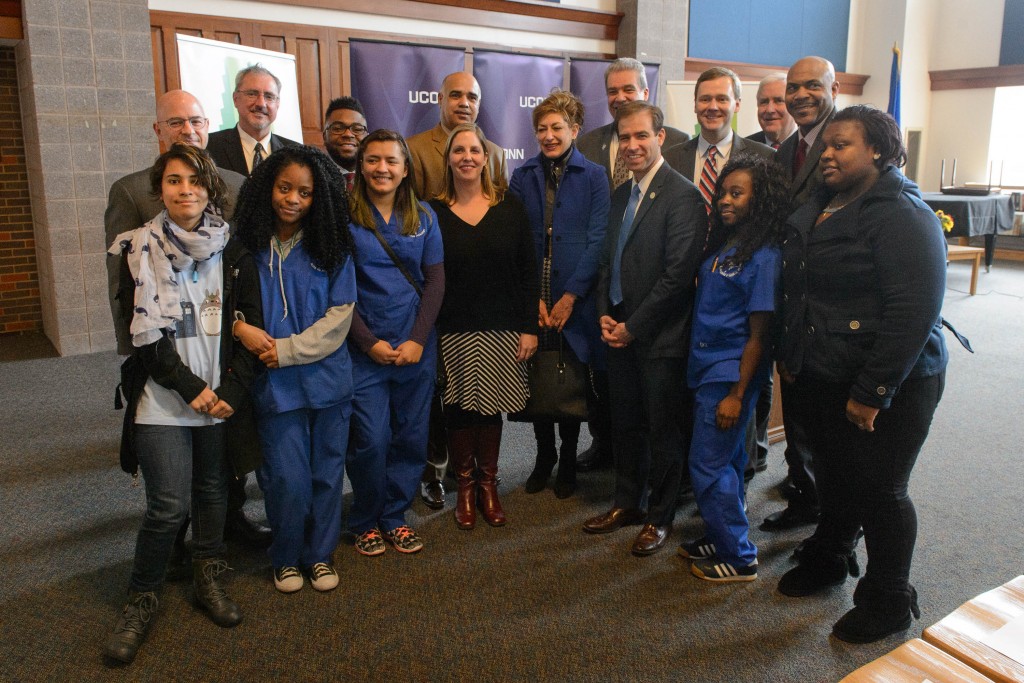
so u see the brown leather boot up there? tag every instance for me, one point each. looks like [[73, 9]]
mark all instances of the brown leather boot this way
[[488, 445], [461, 446]]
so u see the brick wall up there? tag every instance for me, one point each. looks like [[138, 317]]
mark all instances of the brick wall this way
[[20, 308]]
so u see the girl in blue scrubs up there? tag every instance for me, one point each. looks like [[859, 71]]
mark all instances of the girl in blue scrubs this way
[[292, 213], [730, 357], [394, 353]]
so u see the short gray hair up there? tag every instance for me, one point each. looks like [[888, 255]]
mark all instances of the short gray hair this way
[[628, 64], [255, 69], [777, 77]]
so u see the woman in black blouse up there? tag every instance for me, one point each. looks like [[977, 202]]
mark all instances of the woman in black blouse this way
[[488, 321]]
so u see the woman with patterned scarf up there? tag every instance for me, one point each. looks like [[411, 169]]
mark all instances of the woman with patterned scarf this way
[[184, 283]]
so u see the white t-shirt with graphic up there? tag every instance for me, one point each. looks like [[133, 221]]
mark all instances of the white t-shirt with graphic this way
[[197, 341]]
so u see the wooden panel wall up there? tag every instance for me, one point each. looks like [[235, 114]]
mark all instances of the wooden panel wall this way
[[321, 55]]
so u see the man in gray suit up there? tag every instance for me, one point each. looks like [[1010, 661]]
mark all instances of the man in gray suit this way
[[645, 289], [625, 81], [716, 99], [257, 97], [180, 118], [775, 120], [811, 89]]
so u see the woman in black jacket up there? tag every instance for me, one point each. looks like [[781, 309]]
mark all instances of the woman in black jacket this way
[[863, 280], [184, 283]]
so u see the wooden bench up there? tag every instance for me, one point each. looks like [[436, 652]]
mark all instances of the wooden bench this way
[[913, 662], [960, 253], [962, 633]]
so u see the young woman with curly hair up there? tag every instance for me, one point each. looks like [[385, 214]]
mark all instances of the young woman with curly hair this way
[[730, 357], [292, 213]]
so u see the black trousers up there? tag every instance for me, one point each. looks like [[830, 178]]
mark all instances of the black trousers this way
[[652, 419], [799, 452], [863, 476]]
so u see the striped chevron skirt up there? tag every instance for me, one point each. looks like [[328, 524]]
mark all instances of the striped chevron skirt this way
[[482, 371]]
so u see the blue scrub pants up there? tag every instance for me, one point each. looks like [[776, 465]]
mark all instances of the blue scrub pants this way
[[717, 460], [388, 451], [301, 477]]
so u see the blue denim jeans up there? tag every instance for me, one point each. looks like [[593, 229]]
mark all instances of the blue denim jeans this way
[[182, 467]]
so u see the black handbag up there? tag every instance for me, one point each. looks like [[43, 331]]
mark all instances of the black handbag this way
[[558, 388]]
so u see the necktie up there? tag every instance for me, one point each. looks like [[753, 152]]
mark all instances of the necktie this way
[[350, 179], [620, 173], [257, 156], [615, 287], [800, 156], [708, 178], [775, 145]]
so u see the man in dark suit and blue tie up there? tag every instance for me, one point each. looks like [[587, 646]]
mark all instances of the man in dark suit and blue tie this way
[[656, 230], [257, 97]]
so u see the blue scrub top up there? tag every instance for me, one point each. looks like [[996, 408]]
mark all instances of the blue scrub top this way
[[726, 296], [387, 303], [310, 292]]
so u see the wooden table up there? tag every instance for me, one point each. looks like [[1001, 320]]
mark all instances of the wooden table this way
[[913, 662], [959, 253], [962, 633]]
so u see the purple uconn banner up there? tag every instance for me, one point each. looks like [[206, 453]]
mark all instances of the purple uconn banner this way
[[586, 80], [511, 86], [397, 83]]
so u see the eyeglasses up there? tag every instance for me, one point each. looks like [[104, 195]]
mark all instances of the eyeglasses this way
[[197, 122], [254, 94], [339, 128]]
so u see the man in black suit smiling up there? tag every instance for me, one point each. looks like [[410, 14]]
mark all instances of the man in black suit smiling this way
[[656, 230], [257, 97]]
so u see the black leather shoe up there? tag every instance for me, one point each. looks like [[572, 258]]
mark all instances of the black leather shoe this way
[[790, 518], [432, 493], [613, 520], [651, 539], [239, 528], [210, 595], [597, 457]]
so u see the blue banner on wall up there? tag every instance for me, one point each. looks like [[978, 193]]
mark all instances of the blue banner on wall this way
[[586, 81], [397, 83], [511, 86]]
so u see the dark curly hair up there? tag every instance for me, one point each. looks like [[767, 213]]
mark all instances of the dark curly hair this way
[[324, 229], [880, 131], [769, 208], [200, 162]]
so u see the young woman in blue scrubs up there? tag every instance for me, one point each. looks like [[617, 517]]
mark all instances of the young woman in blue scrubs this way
[[730, 357], [293, 214], [394, 354]]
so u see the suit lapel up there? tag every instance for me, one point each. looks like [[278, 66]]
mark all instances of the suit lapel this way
[[439, 138], [646, 201], [235, 153], [810, 161]]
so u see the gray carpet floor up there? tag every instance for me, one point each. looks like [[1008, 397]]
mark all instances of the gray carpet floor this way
[[536, 600]]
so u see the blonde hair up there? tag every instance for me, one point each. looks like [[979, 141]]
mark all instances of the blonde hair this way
[[493, 189]]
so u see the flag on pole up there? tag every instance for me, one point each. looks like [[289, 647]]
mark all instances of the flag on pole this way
[[894, 85]]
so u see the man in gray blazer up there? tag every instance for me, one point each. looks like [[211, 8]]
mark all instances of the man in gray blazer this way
[[625, 81], [257, 97], [180, 118], [656, 231], [811, 89], [716, 99]]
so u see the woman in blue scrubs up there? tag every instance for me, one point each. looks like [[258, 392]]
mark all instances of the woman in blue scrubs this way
[[730, 357], [395, 346]]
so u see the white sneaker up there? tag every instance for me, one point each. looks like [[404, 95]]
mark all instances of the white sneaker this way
[[288, 579], [323, 576]]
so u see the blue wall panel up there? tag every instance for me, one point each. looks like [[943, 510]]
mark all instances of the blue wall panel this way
[[1011, 50], [775, 32]]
